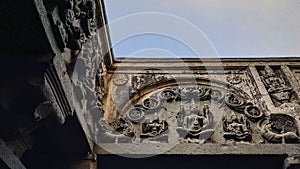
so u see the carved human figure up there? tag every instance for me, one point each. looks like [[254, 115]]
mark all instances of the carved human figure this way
[[276, 86], [195, 127], [154, 128], [236, 128]]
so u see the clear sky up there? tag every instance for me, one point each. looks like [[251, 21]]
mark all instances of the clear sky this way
[[192, 28]]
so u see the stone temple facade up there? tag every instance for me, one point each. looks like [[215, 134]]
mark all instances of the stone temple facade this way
[[67, 103]]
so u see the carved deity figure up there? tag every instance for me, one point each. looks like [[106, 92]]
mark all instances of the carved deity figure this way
[[155, 128], [195, 126], [236, 128], [276, 86]]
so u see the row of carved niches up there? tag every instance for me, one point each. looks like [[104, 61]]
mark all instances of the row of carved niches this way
[[277, 85], [197, 114]]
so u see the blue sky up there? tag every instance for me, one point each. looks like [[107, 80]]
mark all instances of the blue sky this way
[[218, 27]]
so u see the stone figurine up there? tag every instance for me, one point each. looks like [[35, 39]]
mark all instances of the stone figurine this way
[[236, 128], [276, 86], [195, 126], [155, 129]]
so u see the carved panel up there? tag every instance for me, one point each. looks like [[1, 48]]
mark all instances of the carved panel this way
[[139, 82], [277, 86], [280, 128], [74, 21], [191, 113], [236, 128]]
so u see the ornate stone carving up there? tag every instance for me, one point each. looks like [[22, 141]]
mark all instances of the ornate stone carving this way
[[279, 128], [138, 82], [77, 22], [168, 95], [179, 107], [236, 128], [276, 85], [253, 113], [155, 129], [180, 116], [195, 93], [136, 114], [234, 78], [119, 131], [235, 102], [120, 79], [123, 126], [151, 104], [195, 126]]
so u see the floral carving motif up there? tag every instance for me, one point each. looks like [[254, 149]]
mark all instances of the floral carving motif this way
[[234, 78], [253, 113], [136, 114], [151, 104], [168, 95]]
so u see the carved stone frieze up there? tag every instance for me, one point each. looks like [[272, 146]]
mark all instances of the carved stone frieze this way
[[195, 126], [138, 82], [279, 128], [76, 22], [136, 114], [236, 102], [279, 89], [179, 107], [254, 113]]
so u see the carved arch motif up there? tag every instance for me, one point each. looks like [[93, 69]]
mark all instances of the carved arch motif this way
[[159, 112]]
